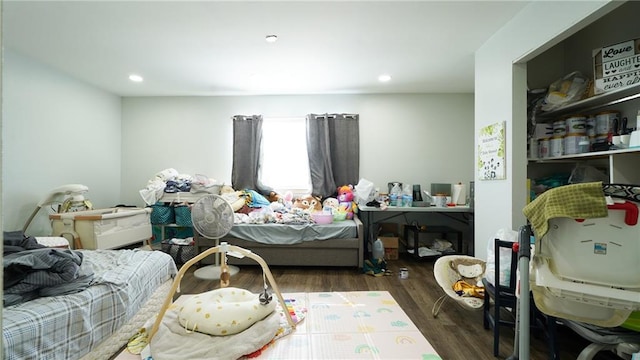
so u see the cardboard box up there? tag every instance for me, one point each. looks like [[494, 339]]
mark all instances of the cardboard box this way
[[391, 245], [616, 66], [388, 229], [388, 234]]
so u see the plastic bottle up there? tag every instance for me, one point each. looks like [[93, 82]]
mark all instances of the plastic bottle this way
[[378, 249], [393, 199], [407, 200], [396, 195]]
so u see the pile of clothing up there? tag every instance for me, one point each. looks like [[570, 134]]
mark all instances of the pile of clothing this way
[[32, 270]]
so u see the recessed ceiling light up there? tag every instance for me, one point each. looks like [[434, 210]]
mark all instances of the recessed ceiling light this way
[[384, 78], [135, 78], [271, 38]]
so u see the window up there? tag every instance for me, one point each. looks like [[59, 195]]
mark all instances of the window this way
[[284, 163]]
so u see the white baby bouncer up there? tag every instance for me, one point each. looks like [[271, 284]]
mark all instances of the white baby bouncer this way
[[224, 323], [584, 268]]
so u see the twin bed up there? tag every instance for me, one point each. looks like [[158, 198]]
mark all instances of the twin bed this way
[[338, 244], [128, 288]]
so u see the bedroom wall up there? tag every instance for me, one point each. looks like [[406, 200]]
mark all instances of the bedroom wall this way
[[412, 138], [500, 73], [56, 131]]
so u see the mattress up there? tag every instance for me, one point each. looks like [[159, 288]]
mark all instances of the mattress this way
[[70, 326], [287, 234]]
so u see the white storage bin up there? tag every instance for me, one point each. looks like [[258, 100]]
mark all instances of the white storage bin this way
[[587, 270], [601, 251], [103, 228]]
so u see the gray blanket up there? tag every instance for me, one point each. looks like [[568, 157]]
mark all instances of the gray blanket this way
[[172, 341], [43, 272]]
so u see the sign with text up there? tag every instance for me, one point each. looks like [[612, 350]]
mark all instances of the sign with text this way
[[491, 152], [616, 66]]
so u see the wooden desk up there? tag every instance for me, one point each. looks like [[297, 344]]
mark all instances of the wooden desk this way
[[456, 216]]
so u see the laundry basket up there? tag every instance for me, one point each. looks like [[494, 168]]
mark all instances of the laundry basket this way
[[180, 252]]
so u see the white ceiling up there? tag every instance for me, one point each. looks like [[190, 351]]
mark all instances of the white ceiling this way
[[219, 48]]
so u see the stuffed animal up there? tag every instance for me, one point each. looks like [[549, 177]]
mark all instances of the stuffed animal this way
[[234, 197], [345, 199], [470, 274], [308, 203], [331, 204], [274, 196], [286, 200]]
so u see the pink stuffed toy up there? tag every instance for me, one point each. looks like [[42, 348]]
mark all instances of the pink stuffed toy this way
[[345, 199]]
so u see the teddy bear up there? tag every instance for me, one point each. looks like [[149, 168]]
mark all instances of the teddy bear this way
[[330, 204], [286, 200], [470, 273], [308, 203], [345, 199]]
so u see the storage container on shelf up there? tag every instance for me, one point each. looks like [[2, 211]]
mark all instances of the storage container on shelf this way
[[576, 124], [559, 128], [556, 146], [605, 121], [576, 144], [543, 148]]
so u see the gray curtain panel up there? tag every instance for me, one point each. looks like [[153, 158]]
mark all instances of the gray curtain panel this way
[[333, 144], [247, 139]]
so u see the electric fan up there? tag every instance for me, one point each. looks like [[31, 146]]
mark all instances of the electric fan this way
[[212, 217]]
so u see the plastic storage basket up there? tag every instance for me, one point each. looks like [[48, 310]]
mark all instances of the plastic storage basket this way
[[179, 252]]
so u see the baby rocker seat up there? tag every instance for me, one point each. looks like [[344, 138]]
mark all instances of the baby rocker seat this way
[[460, 277]]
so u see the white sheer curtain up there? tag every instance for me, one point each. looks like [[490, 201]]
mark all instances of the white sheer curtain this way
[[284, 164]]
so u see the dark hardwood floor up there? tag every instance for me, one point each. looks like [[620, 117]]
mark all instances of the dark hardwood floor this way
[[456, 333]]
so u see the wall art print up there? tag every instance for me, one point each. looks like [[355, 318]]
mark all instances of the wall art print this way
[[491, 152]]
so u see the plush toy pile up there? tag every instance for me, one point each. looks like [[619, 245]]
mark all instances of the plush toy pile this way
[[252, 207], [287, 209]]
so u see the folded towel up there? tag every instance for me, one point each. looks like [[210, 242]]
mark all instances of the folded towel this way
[[576, 201]]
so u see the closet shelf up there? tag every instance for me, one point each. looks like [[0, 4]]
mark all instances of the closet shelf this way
[[595, 102], [585, 156]]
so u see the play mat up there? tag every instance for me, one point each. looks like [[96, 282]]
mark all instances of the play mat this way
[[346, 325]]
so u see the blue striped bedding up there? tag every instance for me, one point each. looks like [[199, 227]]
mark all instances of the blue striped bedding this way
[[70, 326]]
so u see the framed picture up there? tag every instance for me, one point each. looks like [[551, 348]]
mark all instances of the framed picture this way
[[491, 152]]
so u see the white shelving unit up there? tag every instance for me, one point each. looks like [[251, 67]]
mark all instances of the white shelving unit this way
[[574, 53]]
